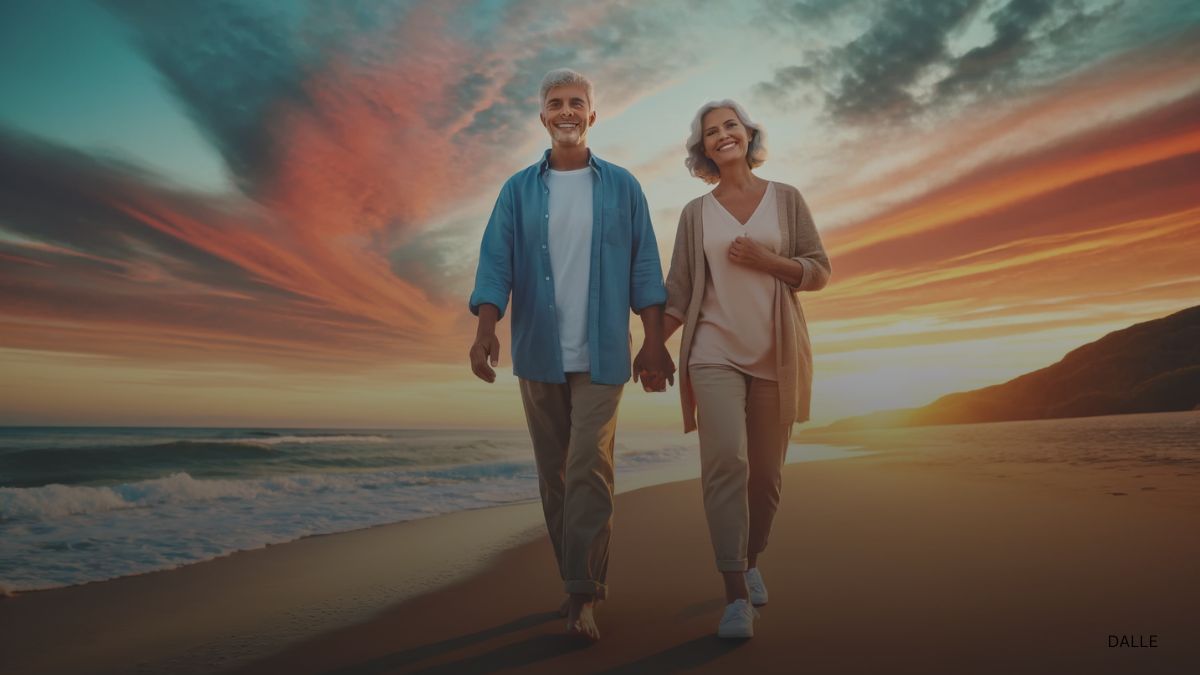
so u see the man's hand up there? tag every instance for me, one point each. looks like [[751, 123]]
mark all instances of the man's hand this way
[[746, 251], [485, 351], [485, 354], [654, 367]]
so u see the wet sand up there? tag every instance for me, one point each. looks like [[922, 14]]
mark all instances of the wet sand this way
[[876, 564]]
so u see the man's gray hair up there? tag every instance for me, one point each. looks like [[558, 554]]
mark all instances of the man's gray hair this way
[[563, 76], [704, 168]]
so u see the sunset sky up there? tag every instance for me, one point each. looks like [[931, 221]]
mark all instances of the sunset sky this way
[[268, 214]]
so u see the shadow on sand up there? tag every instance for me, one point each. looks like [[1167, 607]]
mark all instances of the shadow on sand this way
[[680, 658], [509, 656]]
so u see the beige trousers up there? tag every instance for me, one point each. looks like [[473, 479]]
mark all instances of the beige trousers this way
[[573, 429], [743, 442]]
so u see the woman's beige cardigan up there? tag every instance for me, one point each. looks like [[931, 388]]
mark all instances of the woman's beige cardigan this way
[[685, 292]]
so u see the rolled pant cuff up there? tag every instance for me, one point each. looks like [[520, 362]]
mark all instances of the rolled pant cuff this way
[[587, 587], [732, 565]]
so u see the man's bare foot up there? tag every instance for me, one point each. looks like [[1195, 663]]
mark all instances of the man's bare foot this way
[[580, 619], [564, 609]]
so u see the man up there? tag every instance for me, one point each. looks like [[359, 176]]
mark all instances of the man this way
[[570, 239]]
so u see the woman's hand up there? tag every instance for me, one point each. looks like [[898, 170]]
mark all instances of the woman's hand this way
[[653, 367], [746, 251]]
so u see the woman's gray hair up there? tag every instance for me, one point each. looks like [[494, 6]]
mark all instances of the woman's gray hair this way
[[704, 168], [561, 77]]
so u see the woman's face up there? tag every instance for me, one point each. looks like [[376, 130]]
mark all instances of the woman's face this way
[[726, 139]]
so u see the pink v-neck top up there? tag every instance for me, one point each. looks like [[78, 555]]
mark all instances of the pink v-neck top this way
[[736, 326]]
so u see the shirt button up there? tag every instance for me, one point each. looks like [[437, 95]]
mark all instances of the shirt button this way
[[543, 246], [547, 278]]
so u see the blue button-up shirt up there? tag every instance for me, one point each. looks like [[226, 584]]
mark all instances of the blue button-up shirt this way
[[515, 258]]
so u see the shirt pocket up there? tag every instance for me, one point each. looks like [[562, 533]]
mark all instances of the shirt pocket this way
[[617, 226]]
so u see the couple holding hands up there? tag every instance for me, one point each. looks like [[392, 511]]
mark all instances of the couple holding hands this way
[[570, 241]]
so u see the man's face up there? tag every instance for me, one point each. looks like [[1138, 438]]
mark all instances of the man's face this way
[[567, 115]]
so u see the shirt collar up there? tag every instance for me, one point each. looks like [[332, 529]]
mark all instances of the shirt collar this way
[[544, 165]]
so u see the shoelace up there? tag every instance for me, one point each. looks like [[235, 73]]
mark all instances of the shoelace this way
[[743, 610]]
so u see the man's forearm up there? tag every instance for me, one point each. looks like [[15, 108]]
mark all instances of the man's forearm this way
[[652, 324], [489, 314]]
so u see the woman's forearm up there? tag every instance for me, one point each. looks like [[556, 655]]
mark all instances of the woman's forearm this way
[[670, 325], [787, 270]]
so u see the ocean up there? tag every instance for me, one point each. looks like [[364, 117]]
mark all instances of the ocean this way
[[87, 504]]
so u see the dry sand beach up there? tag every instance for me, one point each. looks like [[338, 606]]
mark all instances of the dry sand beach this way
[[891, 563]]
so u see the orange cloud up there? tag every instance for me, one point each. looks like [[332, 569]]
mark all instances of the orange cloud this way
[[898, 165], [1101, 227]]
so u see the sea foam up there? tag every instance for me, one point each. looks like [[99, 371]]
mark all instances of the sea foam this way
[[141, 500], [57, 501]]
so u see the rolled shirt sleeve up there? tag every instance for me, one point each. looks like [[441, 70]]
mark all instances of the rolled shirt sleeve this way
[[646, 287], [494, 276]]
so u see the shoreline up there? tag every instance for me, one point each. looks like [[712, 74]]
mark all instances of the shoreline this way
[[210, 615], [6, 592], [627, 479], [902, 538]]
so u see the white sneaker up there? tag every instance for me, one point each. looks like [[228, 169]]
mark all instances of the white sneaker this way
[[738, 620], [758, 589]]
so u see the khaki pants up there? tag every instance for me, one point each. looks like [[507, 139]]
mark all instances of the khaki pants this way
[[742, 447], [573, 429]]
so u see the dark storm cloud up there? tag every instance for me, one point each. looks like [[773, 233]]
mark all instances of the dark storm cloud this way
[[813, 12], [1012, 25], [230, 64], [787, 80], [877, 68], [883, 73], [78, 202]]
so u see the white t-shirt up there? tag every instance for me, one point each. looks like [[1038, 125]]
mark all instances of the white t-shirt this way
[[571, 261]]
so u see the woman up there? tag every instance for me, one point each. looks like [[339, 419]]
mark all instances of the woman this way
[[742, 251]]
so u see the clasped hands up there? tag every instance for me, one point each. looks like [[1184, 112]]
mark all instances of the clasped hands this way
[[653, 367]]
